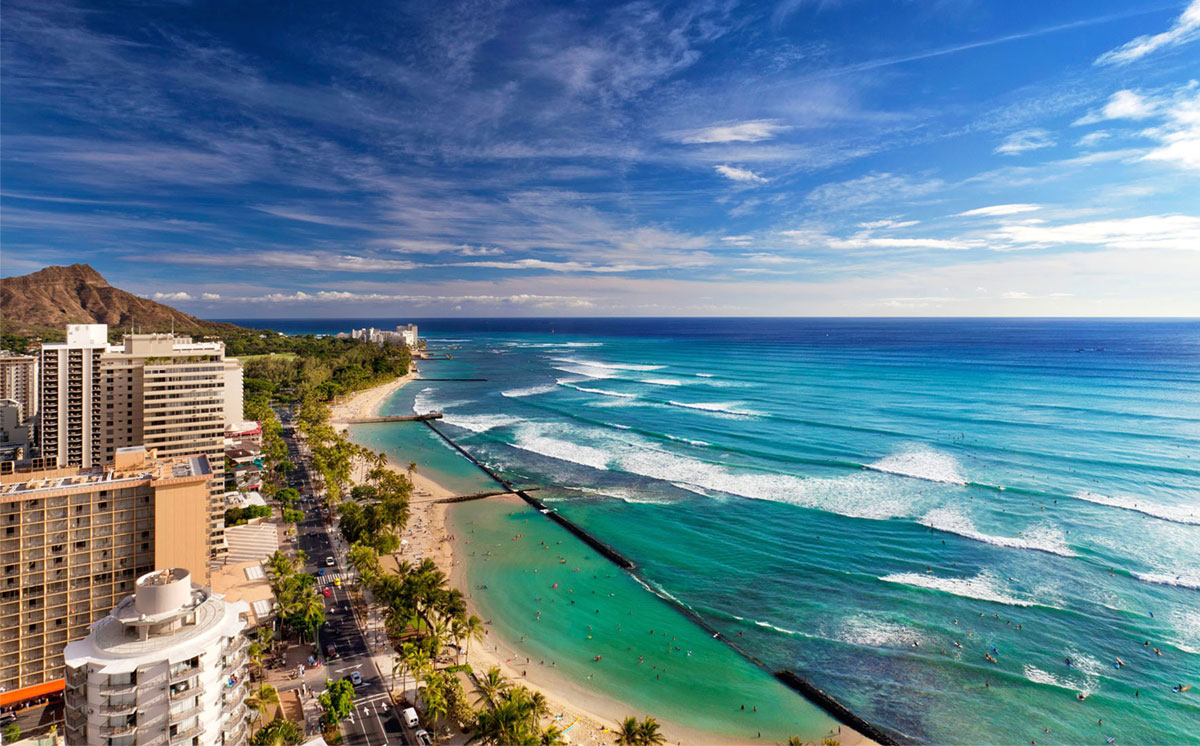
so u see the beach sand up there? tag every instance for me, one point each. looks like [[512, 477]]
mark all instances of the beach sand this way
[[427, 536]]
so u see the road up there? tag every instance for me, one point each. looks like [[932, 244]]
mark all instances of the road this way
[[374, 722]]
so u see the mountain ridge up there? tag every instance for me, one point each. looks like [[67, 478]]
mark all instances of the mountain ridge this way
[[47, 300]]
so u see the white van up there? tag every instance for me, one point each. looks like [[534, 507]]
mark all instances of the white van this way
[[410, 717]]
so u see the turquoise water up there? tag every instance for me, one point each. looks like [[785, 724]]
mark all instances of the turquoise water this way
[[878, 505]]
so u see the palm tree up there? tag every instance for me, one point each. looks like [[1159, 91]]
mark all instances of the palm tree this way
[[492, 685], [630, 733], [399, 665], [262, 697], [649, 733], [552, 736], [412, 468], [278, 732], [795, 741], [538, 706], [473, 630]]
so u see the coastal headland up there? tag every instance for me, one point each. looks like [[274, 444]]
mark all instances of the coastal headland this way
[[435, 534]]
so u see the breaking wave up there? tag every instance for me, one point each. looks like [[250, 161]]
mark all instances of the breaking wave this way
[[1166, 578], [530, 391], [1041, 538], [729, 408], [982, 587], [609, 366], [922, 463], [1174, 513]]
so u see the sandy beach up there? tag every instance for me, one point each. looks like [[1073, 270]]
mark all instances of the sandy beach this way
[[427, 536]]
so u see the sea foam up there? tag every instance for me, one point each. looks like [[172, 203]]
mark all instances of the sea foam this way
[[530, 391], [921, 463], [718, 408], [1042, 538], [1174, 513], [610, 366], [983, 586]]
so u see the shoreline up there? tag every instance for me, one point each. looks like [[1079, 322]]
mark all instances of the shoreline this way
[[428, 536]]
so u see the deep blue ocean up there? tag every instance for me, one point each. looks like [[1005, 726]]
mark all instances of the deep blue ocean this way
[[926, 518]]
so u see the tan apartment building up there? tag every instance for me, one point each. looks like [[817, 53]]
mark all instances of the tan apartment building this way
[[71, 396], [19, 382], [169, 393], [74, 540]]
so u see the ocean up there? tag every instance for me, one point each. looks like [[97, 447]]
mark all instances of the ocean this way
[[955, 527]]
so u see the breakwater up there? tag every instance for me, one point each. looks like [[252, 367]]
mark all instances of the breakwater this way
[[477, 496], [790, 679], [583, 535], [396, 418]]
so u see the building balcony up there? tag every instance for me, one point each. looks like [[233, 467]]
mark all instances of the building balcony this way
[[117, 709], [176, 696], [182, 736], [118, 730], [183, 674], [110, 690], [183, 714]]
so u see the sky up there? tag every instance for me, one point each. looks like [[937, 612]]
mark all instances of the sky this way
[[709, 158]]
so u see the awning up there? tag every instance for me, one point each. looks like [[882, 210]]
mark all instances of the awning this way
[[32, 692]]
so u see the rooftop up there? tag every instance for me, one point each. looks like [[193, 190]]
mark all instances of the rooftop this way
[[22, 485]]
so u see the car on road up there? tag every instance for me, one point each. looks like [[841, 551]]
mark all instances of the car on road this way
[[326, 592], [337, 582], [423, 738], [410, 717], [329, 562], [330, 651], [355, 678]]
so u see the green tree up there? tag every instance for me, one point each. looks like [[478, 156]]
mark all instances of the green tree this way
[[629, 733], [262, 697], [337, 702], [278, 732], [649, 733], [292, 516], [492, 685], [12, 733]]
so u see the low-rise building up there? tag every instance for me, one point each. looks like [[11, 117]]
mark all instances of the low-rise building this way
[[167, 666]]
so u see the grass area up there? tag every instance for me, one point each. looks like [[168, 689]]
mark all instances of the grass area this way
[[271, 356]]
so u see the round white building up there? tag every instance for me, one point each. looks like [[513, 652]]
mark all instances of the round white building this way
[[166, 667]]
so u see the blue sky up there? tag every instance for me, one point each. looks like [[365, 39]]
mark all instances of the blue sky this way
[[805, 157]]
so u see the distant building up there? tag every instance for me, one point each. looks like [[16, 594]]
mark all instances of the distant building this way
[[19, 382], [16, 435], [72, 396], [167, 666], [72, 543], [404, 335]]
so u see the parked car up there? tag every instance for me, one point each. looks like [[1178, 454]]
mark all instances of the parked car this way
[[330, 651], [423, 738], [410, 717]]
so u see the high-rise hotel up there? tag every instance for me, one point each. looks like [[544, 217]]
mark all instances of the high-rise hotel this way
[[154, 390]]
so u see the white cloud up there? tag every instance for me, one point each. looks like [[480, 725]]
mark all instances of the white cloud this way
[[1185, 29], [738, 240], [211, 296], [1175, 232], [869, 242], [1010, 209], [318, 261], [874, 224], [1124, 104], [1025, 140], [1092, 139], [752, 131], [1180, 135], [171, 296], [863, 240], [841, 195], [739, 174], [558, 266]]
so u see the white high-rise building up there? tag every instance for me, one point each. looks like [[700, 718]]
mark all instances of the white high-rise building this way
[[166, 667], [72, 394], [234, 399]]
